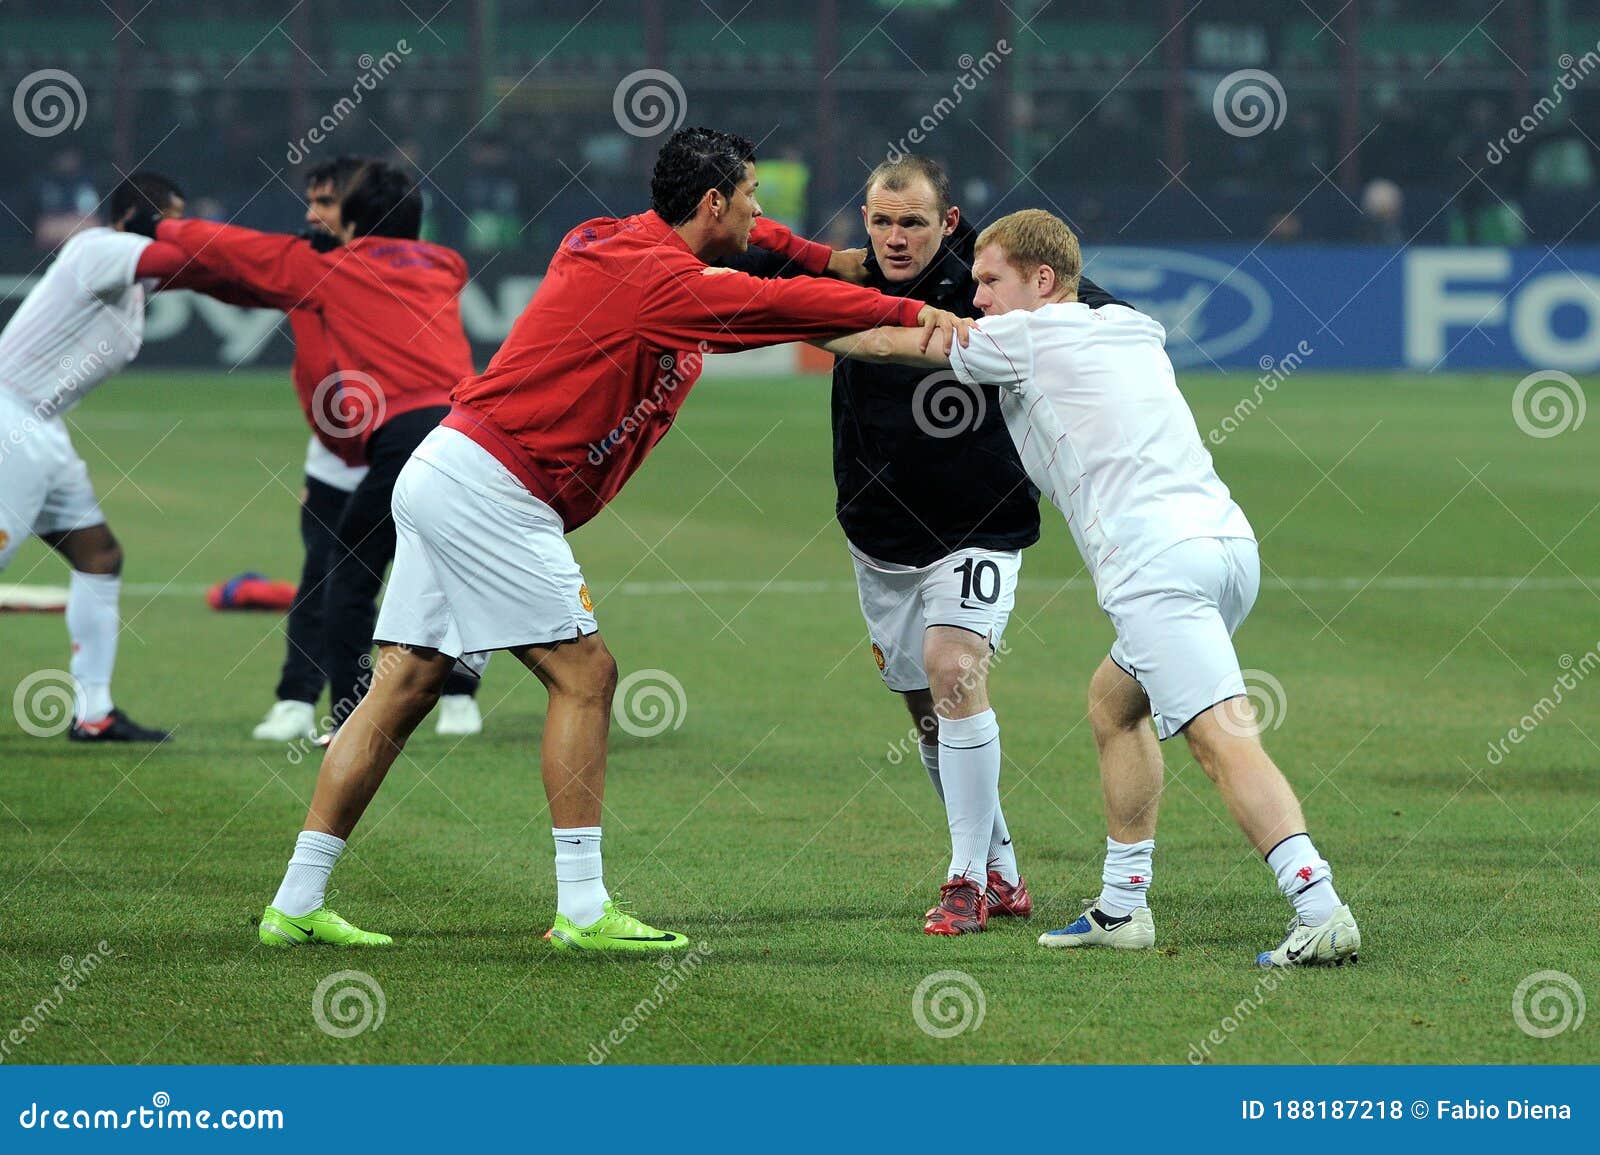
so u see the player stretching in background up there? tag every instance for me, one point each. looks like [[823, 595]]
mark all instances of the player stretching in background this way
[[935, 519], [590, 378], [81, 323], [1091, 401], [329, 484]]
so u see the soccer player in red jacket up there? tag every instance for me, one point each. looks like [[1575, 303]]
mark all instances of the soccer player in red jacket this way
[[589, 379]]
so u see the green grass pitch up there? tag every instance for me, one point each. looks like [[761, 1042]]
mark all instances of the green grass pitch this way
[[1398, 515]]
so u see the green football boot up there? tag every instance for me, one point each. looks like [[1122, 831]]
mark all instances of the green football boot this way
[[615, 930], [321, 926]]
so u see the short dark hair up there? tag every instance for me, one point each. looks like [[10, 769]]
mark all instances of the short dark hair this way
[[337, 172], [692, 161], [901, 173], [382, 201], [140, 189]]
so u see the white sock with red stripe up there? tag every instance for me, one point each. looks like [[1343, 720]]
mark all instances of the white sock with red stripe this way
[[1305, 878], [93, 621], [1126, 876]]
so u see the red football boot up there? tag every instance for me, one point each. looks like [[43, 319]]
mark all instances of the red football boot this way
[[1004, 899], [962, 909]]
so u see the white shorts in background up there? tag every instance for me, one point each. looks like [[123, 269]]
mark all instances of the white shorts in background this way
[[480, 564], [44, 484], [974, 590], [1175, 618]]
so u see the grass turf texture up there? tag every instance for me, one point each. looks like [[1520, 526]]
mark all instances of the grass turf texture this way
[[773, 826]]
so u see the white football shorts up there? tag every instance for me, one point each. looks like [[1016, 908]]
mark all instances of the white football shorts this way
[[44, 484], [480, 564], [974, 590], [1175, 618]]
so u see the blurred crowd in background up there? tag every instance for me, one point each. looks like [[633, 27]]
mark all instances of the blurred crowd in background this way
[[508, 110]]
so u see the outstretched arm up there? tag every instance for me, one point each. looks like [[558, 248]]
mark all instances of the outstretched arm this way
[[902, 346]]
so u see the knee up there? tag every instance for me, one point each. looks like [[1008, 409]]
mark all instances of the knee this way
[[1108, 719], [592, 678], [103, 560], [957, 677]]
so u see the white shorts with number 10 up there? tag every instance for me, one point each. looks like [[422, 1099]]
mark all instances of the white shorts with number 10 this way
[[972, 590]]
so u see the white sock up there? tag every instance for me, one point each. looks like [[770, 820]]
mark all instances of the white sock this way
[[305, 883], [1126, 876], [969, 768], [1002, 855], [580, 890], [93, 622], [1305, 878], [930, 762]]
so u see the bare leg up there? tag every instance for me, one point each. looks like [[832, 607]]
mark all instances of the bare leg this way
[[405, 686], [1131, 772], [581, 677], [1226, 743]]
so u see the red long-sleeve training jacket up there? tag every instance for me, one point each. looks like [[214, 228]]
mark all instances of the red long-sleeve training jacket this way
[[377, 323], [596, 367]]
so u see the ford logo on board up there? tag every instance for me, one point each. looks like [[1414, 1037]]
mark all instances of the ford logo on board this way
[[1208, 308]]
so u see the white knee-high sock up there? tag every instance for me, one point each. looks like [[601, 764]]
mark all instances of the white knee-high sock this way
[[930, 762], [305, 883], [1305, 878], [969, 768], [1002, 856], [580, 886], [93, 622], [1126, 876]]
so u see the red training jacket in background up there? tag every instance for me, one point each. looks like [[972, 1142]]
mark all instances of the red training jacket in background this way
[[596, 367], [377, 323]]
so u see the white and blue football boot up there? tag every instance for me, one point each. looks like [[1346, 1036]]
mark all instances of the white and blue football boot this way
[[1332, 943], [1136, 931]]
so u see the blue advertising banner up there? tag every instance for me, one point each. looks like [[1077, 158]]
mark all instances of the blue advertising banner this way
[[793, 1108], [1414, 309]]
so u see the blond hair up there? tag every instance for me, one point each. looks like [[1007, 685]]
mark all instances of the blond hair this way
[[1033, 237]]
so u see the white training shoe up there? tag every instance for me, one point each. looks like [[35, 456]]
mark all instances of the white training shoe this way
[[1136, 931], [1332, 943], [458, 715], [286, 721]]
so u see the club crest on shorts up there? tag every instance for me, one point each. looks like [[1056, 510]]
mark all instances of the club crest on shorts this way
[[584, 599], [877, 656], [5, 539]]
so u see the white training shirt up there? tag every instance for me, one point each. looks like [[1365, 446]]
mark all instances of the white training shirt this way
[[81, 323], [1093, 406], [328, 467]]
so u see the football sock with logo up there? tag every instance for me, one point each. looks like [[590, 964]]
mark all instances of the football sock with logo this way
[[969, 767], [1305, 878], [92, 622], [1002, 855], [580, 890], [306, 880], [1126, 876], [930, 762]]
